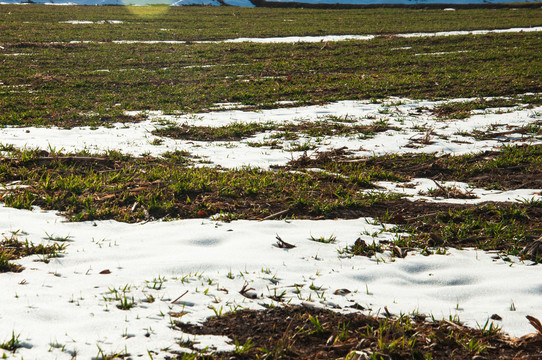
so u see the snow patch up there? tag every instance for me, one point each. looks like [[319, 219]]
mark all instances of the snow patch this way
[[189, 269], [414, 130]]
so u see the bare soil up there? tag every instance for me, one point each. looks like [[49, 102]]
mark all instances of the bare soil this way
[[489, 169], [290, 333]]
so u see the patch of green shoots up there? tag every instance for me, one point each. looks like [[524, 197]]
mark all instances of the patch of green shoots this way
[[324, 240], [12, 344]]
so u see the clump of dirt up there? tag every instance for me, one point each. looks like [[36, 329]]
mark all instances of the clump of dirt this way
[[450, 192], [302, 332], [319, 158]]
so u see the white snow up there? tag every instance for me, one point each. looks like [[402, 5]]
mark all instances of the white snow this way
[[67, 302], [79, 22], [419, 189], [189, 270], [471, 32], [294, 39], [411, 119], [442, 53], [325, 38]]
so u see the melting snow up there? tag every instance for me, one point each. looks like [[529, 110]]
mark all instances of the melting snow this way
[[415, 131], [75, 22], [191, 269], [197, 267], [418, 189], [326, 38]]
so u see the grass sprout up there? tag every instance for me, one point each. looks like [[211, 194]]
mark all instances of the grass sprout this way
[[12, 344]]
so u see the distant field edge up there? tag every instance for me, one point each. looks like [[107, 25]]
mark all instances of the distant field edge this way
[[481, 5]]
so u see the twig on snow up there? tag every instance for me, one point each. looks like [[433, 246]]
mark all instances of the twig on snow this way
[[283, 244], [277, 214], [177, 299]]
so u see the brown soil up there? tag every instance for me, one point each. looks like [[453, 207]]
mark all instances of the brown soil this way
[[293, 333], [474, 169], [521, 176]]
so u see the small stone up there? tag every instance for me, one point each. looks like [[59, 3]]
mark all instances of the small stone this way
[[342, 292], [495, 317], [356, 306]]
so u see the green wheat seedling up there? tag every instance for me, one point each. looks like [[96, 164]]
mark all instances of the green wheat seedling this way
[[325, 240], [126, 303], [230, 275], [242, 349], [52, 237], [6, 264], [156, 283], [217, 312], [473, 346], [277, 296], [315, 287], [103, 356], [11, 248], [149, 298], [489, 328], [342, 333], [56, 345], [318, 329], [12, 344]]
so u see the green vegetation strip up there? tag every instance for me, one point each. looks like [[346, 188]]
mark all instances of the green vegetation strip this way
[[511, 228], [511, 167], [290, 131], [43, 23], [133, 189], [129, 189], [67, 84], [463, 109]]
